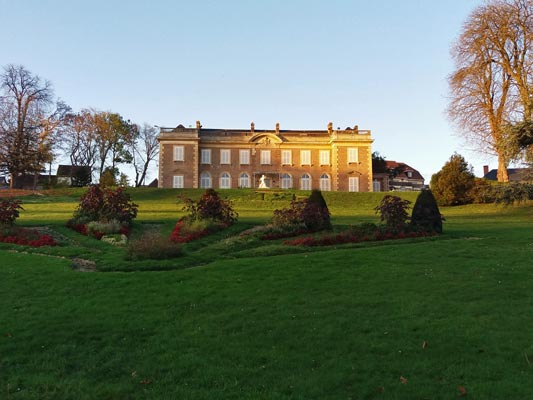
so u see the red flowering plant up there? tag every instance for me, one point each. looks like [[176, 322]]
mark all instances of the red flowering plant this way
[[207, 215], [9, 233]]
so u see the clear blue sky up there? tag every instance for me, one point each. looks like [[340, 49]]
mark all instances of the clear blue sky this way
[[381, 65]]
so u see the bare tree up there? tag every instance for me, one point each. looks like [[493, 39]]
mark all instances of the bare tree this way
[[492, 86], [28, 121], [480, 88], [512, 37], [79, 139], [145, 149]]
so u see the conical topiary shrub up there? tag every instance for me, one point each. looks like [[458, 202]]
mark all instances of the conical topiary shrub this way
[[426, 215], [316, 212]]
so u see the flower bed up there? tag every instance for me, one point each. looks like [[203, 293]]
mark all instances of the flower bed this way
[[179, 236], [208, 215], [27, 237], [84, 230], [274, 235], [186, 231], [351, 237]]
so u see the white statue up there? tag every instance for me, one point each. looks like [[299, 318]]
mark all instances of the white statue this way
[[262, 182]]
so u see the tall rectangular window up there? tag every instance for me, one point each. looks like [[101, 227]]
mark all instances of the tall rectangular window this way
[[324, 157], [225, 156], [205, 157], [353, 184], [353, 154], [286, 157], [244, 157], [177, 182], [305, 157], [265, 157], [179, 153]]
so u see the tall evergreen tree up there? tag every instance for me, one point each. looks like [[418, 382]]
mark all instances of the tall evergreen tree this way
[[452, 184]]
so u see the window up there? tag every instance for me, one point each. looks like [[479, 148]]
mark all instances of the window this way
[[206, 156], [286, 181], [205, 180], [225, 156], [244, 180], [324, 157], [305, 157], [225, 181], [179, 153], [177, 182], [286, 157], [305, 182], [265, 157], [409, 174], [325, 183], [353, 155], [353, 184], [376, 186], [244, 157]]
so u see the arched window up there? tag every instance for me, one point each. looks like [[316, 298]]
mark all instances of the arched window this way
[[286, 181], [244, 180], [205, 180], [325, 183], [225, 180], [305, 182]]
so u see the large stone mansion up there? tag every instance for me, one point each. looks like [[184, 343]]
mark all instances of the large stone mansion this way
[[332, 159]]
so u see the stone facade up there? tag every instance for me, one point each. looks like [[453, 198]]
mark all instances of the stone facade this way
[[339, 160]]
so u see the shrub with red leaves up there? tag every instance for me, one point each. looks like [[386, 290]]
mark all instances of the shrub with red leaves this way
[[393, 211], [9, 211], [210, 207], [104, 204], [309, 215]]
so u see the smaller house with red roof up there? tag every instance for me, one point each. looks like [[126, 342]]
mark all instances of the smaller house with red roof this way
[[398, 177]]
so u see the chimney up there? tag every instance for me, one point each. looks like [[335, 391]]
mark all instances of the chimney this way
[[198, 125], [485, 170], [330, 127], [356, 128], [277, 128], [252, 127]]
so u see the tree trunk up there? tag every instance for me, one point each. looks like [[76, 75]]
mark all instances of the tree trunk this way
[[503, 176]]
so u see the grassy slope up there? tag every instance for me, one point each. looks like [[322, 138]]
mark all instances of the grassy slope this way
[[330, 324]]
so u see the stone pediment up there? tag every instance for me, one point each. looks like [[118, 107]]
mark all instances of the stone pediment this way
[[265, 139]]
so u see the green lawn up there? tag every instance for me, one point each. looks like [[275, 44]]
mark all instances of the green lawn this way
[[245, 323]]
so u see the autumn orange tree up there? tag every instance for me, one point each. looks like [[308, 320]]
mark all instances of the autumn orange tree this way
[[492, 85]]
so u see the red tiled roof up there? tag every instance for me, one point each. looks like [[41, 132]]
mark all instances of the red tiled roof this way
[[404, 169]]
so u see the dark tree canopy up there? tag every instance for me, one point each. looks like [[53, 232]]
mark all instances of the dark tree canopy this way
[[379, 164]]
